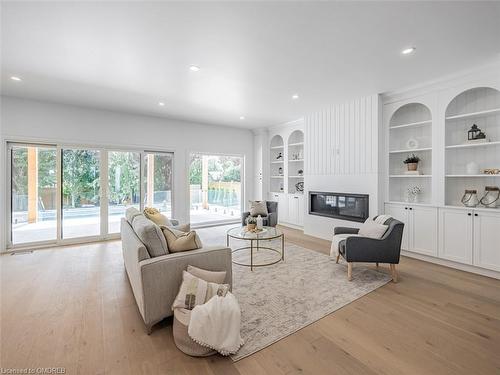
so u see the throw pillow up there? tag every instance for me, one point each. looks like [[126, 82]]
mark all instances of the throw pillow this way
[[258, 208], [182, 227], [210, 276], [156, 217], [181, 241], [195, 291], [192, 292], [371, 229]]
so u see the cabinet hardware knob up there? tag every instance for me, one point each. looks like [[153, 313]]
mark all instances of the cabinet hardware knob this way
[[476, 215], [411, 208], [406, 208], [469, 214]]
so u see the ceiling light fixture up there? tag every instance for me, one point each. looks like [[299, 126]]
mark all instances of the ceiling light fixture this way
[[161, 104], [407, 51], [295, 96], [242, 117], [194, 68], [14, 78]]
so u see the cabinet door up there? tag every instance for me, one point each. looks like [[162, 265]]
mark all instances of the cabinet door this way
[[282, 208], [293, 209], [401, 213], [455, 235], [301, 209], [423, 230], [487, 240]]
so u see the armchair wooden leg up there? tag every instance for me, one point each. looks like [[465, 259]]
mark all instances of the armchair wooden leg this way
[[349, 271], [376, 264], [337, 260], [394, 273]]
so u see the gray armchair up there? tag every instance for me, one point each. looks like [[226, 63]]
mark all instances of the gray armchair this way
[[270, 220], [368, 250]]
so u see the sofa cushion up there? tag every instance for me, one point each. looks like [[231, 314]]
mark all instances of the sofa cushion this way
[[210, 276], [258, 208], [156, 216], [181, 241], [131, 213], [151, 236]]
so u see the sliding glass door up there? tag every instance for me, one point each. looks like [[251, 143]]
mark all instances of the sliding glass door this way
[[81, 193], [158, 181], [33, 193], [215, 188], [60, 193], [124, 189]]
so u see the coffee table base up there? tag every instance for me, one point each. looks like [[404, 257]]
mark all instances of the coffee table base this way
[[257, 247]]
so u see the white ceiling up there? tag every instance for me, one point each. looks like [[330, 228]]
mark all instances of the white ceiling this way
[[253, 55]]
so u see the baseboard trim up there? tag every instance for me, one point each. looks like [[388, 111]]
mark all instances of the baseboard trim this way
[[451, 264]]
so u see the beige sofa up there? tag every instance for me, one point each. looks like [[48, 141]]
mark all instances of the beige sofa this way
[[155, 278]]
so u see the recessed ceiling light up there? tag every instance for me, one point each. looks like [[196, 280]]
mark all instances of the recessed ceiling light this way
[[407, 51], [14, 78], [295, 96], [242, 117], [194, 68], [161, 104]]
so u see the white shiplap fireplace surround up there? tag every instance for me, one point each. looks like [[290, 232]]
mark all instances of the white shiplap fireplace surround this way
[[358, 147]]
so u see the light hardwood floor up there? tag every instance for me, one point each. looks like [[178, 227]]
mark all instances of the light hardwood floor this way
[[73, 307]]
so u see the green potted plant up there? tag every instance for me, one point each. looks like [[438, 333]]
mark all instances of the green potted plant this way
[[412, 162], [251, 223]]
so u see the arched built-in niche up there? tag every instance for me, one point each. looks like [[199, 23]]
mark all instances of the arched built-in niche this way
[[410, 132], [277, 160], [296, 162], [467, 160]]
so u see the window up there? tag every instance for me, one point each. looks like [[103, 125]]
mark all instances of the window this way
[[61, 193], [33, 193], [215, 188]]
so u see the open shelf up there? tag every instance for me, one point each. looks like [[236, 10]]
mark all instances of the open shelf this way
[[410, 175], [477, 106], [410, 150], [277, 164], [295, 157], [486, 112], [483, 144], [412, 124], [473, 175]]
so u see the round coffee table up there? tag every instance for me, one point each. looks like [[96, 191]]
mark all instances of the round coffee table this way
[[268, 233]]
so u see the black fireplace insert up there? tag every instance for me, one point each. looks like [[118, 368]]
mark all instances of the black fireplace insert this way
[[353, 207]]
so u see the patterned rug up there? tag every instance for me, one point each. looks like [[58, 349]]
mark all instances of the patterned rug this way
[[278, 300]]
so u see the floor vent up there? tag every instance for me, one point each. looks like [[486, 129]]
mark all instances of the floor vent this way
[[22, 252]]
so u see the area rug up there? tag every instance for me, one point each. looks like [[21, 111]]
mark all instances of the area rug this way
[[278, 300]]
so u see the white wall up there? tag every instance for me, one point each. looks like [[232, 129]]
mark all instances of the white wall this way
[[29, 120], [342, 146]]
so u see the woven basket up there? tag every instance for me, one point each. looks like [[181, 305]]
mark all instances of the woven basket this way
[[181, 336]]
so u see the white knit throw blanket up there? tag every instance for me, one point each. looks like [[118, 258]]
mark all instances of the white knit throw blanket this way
[[216, 324]]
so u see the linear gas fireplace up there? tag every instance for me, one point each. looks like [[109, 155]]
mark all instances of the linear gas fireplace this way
[[353, 207]]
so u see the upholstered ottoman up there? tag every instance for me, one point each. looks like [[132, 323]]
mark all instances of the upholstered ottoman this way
[[181, 336]]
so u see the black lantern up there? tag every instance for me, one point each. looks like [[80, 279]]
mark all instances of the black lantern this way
[[475, 133]]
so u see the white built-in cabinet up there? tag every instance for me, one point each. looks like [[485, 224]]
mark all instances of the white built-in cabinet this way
[[420, 234], [296, 209], [455, 240], [433, 123], [470, 237]]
